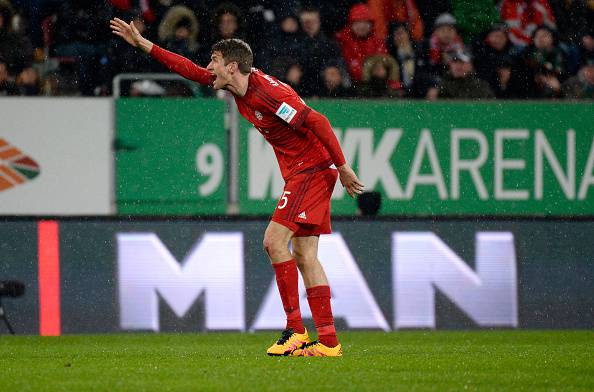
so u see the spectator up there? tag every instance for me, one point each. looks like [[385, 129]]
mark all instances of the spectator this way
[[286, 42], [444, 40], [16, 50], [541, 67], [545, 83], [227, 22], [28, 82], [545, 52], [587, 48], [381, 77], [505, 83], [7, 87], [294, 77], [317, 51], [570, 16], [414, 80], [334, 83], [572, 26], [79, 36], [461, 83], [125, 58], [524, 16], [581, 86], [430, 10], [334, 13], [178, 32], [358, 41], [491, 52], [260, 32], [33, 12], [146, 12], [384, 12]]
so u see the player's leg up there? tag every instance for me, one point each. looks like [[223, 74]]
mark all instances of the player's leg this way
[[305, 251], [276, 245]]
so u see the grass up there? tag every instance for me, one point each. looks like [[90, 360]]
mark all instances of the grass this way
[[403, 361]]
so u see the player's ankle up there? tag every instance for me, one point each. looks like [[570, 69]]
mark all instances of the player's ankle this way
[[297, 328], [328, 340]]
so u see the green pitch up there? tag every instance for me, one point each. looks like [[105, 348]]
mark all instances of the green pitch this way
[[403, 361]]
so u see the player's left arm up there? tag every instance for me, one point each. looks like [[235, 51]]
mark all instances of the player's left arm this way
[[320, 126]]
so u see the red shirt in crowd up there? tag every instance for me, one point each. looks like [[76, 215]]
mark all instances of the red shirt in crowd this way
[[356, 49], [524, 16]]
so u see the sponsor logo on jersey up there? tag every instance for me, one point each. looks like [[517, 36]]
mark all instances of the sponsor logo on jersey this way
[[286, 112], [16, 168], [302, 215], [258, 115]]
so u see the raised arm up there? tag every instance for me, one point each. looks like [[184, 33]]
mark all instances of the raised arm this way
[[172, 61]]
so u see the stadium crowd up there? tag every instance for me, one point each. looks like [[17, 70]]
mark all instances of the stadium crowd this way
[[428, 49]]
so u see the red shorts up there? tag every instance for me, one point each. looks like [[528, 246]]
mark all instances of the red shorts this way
[[304, 206]]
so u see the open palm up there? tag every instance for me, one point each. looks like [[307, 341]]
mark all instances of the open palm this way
[[128, 32]]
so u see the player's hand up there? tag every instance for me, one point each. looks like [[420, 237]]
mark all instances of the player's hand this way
[[129, 33], [350, 181]]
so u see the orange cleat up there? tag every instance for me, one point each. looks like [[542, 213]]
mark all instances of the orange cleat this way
[[288, 343], [317, 349]]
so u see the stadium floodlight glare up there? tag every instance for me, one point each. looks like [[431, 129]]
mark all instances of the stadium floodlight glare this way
[[13, 289]]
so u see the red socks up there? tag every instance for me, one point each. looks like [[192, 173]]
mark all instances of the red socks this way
[[321, 310], [287, 280]]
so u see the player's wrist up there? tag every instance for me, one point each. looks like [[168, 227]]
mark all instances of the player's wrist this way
[[343, 167], [145, 45]]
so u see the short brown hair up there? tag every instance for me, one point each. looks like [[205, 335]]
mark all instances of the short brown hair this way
[[234, 49]]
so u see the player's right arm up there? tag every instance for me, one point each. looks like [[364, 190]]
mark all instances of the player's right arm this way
[[172, 61]]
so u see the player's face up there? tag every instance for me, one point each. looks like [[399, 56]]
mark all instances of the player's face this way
[[218, 68]]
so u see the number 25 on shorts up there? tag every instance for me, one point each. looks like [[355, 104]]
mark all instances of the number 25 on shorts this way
[[283, 200]]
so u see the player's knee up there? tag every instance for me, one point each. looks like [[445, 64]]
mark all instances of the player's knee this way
[[304, 260], [270, 245]]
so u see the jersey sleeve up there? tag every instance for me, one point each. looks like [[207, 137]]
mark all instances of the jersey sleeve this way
[[320, 126], [182, 66]]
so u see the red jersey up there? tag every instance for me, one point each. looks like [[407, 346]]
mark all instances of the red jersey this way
[[278, 113]]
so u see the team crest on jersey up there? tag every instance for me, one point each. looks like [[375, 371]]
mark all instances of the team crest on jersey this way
[[258, 115]]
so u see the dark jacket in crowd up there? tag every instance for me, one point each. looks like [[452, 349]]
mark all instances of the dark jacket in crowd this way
[[577, 88], [81, 22], [487, 59], [570, 16], [8, 88], [411, 60], [468, 87], [317, 52], [16, 51]]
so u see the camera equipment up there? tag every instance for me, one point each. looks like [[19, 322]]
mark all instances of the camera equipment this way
[[369, 203], [13, 289]]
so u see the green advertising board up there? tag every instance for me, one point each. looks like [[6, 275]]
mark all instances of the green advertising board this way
[[171, 156], [448, 158]]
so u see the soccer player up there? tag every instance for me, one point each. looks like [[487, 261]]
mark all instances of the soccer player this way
[[310, 160]]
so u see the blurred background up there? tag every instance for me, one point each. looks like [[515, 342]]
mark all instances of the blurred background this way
[[538, 49]]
